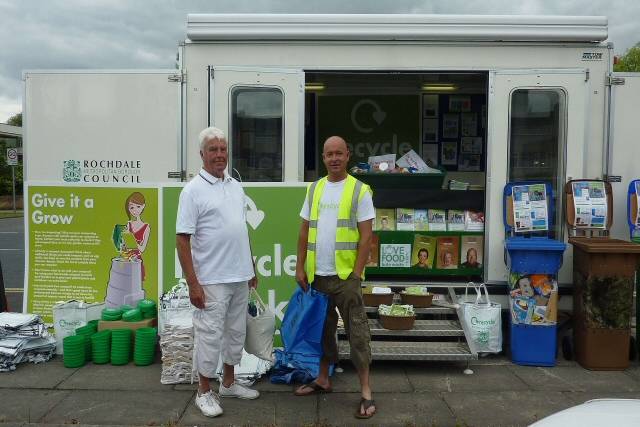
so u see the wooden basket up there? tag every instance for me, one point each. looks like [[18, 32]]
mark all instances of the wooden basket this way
[[418, 301], [398, 323], [374, 300]]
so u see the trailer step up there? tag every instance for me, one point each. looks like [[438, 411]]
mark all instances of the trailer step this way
[[421, 328], [391, 350]]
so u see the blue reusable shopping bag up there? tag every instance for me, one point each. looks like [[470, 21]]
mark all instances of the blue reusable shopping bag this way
[[303, 322], [301, 332]]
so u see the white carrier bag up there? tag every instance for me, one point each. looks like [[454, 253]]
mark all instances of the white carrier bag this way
[[483, 320], [260, 330], [70, 315]]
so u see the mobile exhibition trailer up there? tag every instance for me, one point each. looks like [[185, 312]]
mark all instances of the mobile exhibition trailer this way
[[487, 99]]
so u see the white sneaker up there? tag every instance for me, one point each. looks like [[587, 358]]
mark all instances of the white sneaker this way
[[239, 391], [209, 404]]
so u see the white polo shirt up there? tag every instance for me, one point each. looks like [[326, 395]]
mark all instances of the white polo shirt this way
[[212, 211]]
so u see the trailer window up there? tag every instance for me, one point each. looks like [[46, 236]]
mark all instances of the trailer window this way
[[256, 133], [537, 139]]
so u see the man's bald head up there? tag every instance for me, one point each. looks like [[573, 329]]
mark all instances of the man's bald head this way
[[334, 142], [335, 155]]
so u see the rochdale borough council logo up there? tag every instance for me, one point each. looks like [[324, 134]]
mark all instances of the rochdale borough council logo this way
[[71, 171]]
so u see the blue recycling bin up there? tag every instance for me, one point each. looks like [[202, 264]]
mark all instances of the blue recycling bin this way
[[532, 253]]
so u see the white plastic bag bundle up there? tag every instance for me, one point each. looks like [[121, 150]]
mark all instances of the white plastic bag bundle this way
[[483, 321], [260, 330], [176, 335], [176, 344]]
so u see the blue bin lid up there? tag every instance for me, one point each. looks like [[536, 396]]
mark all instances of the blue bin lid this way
[[534, 243]]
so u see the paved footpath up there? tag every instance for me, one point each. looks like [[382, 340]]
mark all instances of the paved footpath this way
[[408, 393]]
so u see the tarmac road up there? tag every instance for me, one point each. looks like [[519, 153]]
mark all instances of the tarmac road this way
[[12, 259]]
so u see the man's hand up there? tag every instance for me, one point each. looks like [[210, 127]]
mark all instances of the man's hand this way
[[301, 279], [253, 282], [196, 295]]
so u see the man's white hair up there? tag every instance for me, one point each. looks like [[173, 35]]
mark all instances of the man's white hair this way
[[210, 133]]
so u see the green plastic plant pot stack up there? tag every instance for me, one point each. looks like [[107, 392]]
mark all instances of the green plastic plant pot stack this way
[[145, 346], [101, 347], [87, 331], [93, 323], [74, 351], [148, 308], [111, 314], [133, 315], [125, 307], [120, 346]]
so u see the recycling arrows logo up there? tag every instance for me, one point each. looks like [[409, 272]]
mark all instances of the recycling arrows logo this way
[[378, 115]]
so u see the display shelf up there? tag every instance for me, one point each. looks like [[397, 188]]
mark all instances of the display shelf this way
[[390, 236], [419, 310], [421, 272], [407, 237], [402, 180], [425, 198]]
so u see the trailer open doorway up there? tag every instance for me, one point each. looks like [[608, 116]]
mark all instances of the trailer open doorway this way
[[442, 116]]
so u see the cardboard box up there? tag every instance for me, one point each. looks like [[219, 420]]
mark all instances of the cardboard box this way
[[121, 324]]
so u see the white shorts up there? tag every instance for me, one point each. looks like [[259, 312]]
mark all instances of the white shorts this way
[[220, 327]]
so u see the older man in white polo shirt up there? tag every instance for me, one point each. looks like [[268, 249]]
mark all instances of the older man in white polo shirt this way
[[213, 247]]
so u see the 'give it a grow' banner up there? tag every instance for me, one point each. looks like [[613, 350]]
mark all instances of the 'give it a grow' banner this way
[[117, 244], [92, 244]]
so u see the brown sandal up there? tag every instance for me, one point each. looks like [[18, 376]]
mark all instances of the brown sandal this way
[[365, 404], [315, 389]]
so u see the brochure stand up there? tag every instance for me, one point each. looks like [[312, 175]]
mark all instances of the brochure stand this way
[[633, 210], [533, 260], [633, 219], [603, 278]]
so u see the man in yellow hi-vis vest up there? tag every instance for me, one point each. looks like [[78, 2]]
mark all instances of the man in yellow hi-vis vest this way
[[333, 247]]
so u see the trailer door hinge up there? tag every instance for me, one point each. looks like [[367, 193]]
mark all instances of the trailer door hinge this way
[[177, 78], [211, 72], [176, 175], [613, 81]]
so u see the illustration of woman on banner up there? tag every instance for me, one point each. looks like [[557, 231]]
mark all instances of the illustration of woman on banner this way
[[140, 230]]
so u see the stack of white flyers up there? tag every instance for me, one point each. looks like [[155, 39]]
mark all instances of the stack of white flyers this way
[[530, 208], [23, 338], [590, 201]]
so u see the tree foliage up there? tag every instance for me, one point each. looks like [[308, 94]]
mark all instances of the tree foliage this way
[[15, 120], [630, 61]]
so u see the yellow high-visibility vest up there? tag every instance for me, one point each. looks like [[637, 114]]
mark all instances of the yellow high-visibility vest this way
[[347, 234]]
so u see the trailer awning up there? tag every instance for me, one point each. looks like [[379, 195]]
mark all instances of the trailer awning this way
[[358, 27]]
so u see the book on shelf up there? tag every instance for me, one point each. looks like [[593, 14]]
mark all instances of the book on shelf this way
[[374, 253], [448, 251], [404, 219], [424, 251], [473, 220], [471, 251], [421, 220], [455, 220], [385, 219], [437, 221]]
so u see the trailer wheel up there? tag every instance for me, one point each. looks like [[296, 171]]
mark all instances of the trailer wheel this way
[[567, 348]]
